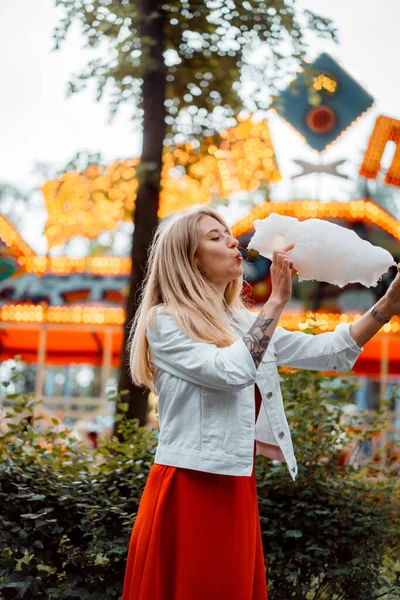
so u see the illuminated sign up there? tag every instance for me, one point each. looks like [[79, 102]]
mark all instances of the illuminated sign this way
[[385, 130], [323, 102]]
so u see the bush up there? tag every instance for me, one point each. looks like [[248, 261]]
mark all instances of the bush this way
[[335, 533], [67, 511]]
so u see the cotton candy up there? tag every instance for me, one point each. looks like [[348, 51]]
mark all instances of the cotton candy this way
[[323, 251]]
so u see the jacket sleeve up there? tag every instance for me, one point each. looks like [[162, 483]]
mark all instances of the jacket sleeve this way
[[203, 364], [331, 351]]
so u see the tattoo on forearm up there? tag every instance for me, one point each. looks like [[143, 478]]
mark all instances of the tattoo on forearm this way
[[257, 340]]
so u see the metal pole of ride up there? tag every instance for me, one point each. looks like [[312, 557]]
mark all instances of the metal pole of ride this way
[[40, 366], [384, 369], [106, 364]]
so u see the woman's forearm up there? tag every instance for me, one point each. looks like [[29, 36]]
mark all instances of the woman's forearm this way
[[367, 326], [258, 337]]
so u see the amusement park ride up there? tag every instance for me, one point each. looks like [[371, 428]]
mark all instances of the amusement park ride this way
[[57, 310]]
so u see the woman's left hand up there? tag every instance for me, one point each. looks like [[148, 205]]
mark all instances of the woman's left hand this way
[[392, 297]]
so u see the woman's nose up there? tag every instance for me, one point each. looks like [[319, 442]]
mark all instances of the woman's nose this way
[[233, 242]]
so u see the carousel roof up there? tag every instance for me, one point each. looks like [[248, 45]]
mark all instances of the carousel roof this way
[[353, 211], [10, 237]]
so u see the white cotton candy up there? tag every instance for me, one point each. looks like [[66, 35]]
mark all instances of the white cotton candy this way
[[323, 251]]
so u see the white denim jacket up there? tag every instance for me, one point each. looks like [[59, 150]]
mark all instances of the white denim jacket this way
[[206, 395]]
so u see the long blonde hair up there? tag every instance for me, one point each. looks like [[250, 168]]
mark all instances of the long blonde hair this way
[[174, 281]]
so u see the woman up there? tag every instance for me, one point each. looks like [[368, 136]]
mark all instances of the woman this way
[[213, 364]]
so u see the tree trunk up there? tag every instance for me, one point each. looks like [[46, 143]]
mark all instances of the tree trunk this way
[[145, 215]]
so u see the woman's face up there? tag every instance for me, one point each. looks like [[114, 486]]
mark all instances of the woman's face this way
[[217, 255]]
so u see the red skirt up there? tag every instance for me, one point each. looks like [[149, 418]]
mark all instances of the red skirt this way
[[196, 537]]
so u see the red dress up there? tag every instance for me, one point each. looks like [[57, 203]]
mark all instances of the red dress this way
[[196, 537]]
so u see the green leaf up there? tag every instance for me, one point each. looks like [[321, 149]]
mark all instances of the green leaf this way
[[46, 570], [293, 533]]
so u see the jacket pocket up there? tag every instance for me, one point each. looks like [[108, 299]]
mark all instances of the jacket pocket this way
[[215, 409]]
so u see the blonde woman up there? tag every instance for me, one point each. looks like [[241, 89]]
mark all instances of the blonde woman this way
[[213, 365]]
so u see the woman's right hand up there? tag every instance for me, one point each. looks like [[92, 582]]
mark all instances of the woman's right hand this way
[[258, 337], [281, 275]]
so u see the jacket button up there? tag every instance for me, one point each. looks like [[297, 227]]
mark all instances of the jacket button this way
[[281, 434], [269, 395]]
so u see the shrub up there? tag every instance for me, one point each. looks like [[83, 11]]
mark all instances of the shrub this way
[[334, 534], [67, 511]]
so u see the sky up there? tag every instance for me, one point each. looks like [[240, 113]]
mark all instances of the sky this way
[[39, 123]]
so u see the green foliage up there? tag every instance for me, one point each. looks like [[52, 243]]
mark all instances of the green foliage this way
[[335, 533], [209, 46], [67, 511]]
